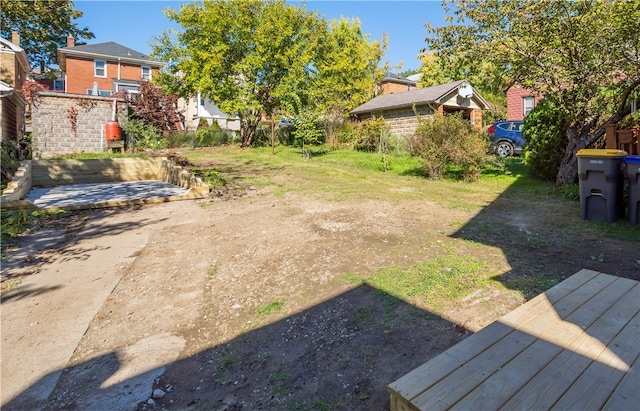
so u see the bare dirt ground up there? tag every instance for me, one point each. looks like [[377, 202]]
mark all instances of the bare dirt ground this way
[[252, 292]]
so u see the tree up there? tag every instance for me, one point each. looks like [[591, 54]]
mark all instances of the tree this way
[[244, 55], [345, 72], [153, 107], [43, 26], [585, 55], [482, 74]]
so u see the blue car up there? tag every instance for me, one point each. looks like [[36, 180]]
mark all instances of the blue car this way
[[506, 137]]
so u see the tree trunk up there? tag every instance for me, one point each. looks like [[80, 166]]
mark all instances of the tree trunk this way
[[248, 130], [568, 172]]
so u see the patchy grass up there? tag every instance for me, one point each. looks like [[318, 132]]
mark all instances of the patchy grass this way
[[433, 283], [270, 308]]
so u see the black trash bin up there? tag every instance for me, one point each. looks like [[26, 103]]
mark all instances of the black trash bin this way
[[632, 165], [601, 184]]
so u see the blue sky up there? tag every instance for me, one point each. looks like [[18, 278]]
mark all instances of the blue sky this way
[[134, 23]]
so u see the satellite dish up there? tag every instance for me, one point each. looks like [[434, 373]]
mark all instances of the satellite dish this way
[[465, 90]]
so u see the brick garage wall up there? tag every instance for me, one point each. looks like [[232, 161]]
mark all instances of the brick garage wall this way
[[53, 134]]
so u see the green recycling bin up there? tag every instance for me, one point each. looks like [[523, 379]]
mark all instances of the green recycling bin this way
[[632, 165], [601, 184]]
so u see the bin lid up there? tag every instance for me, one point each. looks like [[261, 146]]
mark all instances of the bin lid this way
[[601, 152], [632, 159]]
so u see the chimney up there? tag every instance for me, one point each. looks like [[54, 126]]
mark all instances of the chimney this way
[[15, 38], [71, 42]]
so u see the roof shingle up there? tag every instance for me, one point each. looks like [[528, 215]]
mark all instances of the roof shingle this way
[[110, 49], [418, 96]]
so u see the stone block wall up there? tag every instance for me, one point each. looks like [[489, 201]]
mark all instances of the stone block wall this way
[[19, 185], [71, 123], [403, 121]]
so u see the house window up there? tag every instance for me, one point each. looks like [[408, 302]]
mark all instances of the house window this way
[[128, 87], [146, 73], [99, 68], [58, 85], [102, 93], [528, 104], [202, 102]]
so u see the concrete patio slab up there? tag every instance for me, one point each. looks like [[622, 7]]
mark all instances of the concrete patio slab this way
[[77, 195]]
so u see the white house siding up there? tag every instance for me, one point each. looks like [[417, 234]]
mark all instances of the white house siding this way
[[193, 111], [457, 101]]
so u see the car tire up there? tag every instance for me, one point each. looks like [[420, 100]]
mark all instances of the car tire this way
[[504, 149]]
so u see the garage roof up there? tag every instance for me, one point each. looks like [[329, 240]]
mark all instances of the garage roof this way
[[430, 95]]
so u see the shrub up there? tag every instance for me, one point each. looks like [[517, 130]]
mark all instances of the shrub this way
[[369, 134], [13, 153], [262, 137], [285, 135], [211, 136], [202, 123], [145, 135], [450, 142], [309, 128], [179, 139], [545, 131]]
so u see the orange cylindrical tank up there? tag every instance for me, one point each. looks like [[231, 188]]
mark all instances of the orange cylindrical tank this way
[[112, 131]]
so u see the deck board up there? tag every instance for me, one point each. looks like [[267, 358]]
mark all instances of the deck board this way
[[545, 353]]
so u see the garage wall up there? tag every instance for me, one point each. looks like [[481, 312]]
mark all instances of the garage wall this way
[[403, 121]]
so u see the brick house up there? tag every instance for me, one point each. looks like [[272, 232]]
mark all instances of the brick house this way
[[399, 109], [108, 67], [15, 66], [520, 102], [393, 83]]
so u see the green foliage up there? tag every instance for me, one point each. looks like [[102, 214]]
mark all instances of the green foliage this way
[[309, 128], [202, 123], [582, 54], [483, 74], [368, 135], [211, 136], [43, 26], [630, 121], [450, 141], [346, 71], [285, 135], [10, 162], [16, 222], [434, 281], [13, 152], [146, 135], [545, 131], [570, 191], [244, 54], [270, 308], [210, 176]]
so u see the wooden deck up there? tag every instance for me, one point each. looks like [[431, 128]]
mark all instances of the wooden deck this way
[[574, 347]]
